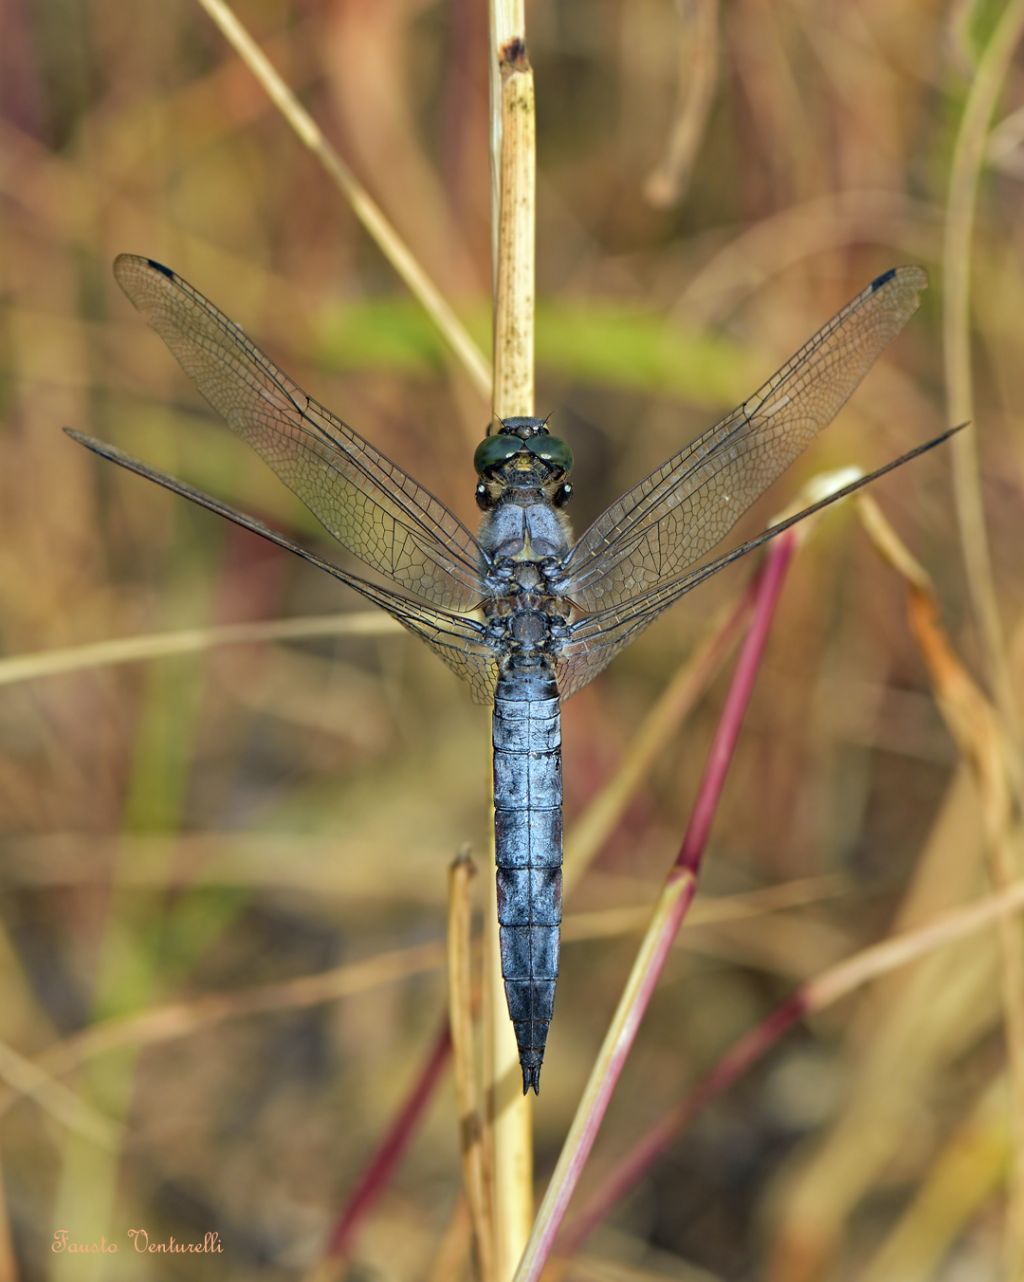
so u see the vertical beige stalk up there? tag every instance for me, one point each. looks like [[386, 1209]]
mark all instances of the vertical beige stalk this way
[[513, 184]]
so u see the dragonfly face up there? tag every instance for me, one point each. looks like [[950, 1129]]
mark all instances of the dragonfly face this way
[[522, 458], [521, 613]]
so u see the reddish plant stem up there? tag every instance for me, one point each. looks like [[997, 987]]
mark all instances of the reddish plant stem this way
[[657, 946], [378, 1173], [632, 1168], [719, 758]]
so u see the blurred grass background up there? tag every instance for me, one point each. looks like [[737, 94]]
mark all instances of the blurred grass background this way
[[248, 815]]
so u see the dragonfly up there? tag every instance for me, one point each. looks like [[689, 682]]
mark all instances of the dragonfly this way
[[520, 611]]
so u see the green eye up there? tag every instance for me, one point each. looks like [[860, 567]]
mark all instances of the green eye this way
[[494, 450], [553, 451]]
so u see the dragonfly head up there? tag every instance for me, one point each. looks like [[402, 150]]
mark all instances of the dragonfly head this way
[[522, 456]]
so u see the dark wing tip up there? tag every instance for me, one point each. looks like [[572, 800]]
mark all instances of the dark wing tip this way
[[531, 1077], [126, 264], [912, 275]]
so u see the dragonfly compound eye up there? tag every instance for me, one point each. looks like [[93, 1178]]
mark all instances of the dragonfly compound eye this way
[[493, 451], [552, 451]]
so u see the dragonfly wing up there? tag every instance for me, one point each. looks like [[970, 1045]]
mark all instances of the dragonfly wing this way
[[595, 639], [677, 514], [459, 640], [368, 503]]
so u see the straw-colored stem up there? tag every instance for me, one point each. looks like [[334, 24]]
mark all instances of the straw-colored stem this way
[[184, 1018], [1004, 857], [363, 205], [513, 164], [964, 180], [987, 746], [159, 645], [475, 1177]]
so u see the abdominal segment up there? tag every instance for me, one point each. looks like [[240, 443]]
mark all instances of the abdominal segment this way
[[528, 845]]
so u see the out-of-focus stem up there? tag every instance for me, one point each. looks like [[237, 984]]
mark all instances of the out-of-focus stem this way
[[460, 1015], [380, 1169], [363, 205], [824, 990], [159, 645], [673, 902], [513, 165], [964, 178], [1004, 856]]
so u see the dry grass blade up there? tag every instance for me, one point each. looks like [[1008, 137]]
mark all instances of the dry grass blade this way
[[475, 1175], [184, 1018], [363, 205], [982, 737], [962, 1178], [698, 78], [24, 1078], [103, 654], [964, 180]]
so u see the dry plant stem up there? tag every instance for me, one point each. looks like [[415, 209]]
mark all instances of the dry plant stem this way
[[965, 174], [810, 998], [1005, 858], [676, 897], [181, 1019], [159, 645], [382, 1166], [24, 1077], [985, 743], [961, 1179], [516, 223], [363, 205], [460, 1015], [513, 166], [698, 77]]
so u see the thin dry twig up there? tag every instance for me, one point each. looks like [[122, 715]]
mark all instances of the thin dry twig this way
[[183, 1018], [698, 79], [983, 738], [964, 180], [160, 645], [363, 205], [25, 1078]]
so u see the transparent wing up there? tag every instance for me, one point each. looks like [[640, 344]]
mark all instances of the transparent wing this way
[[678, 513], [459, 640], [368, 503], [595, 639]]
